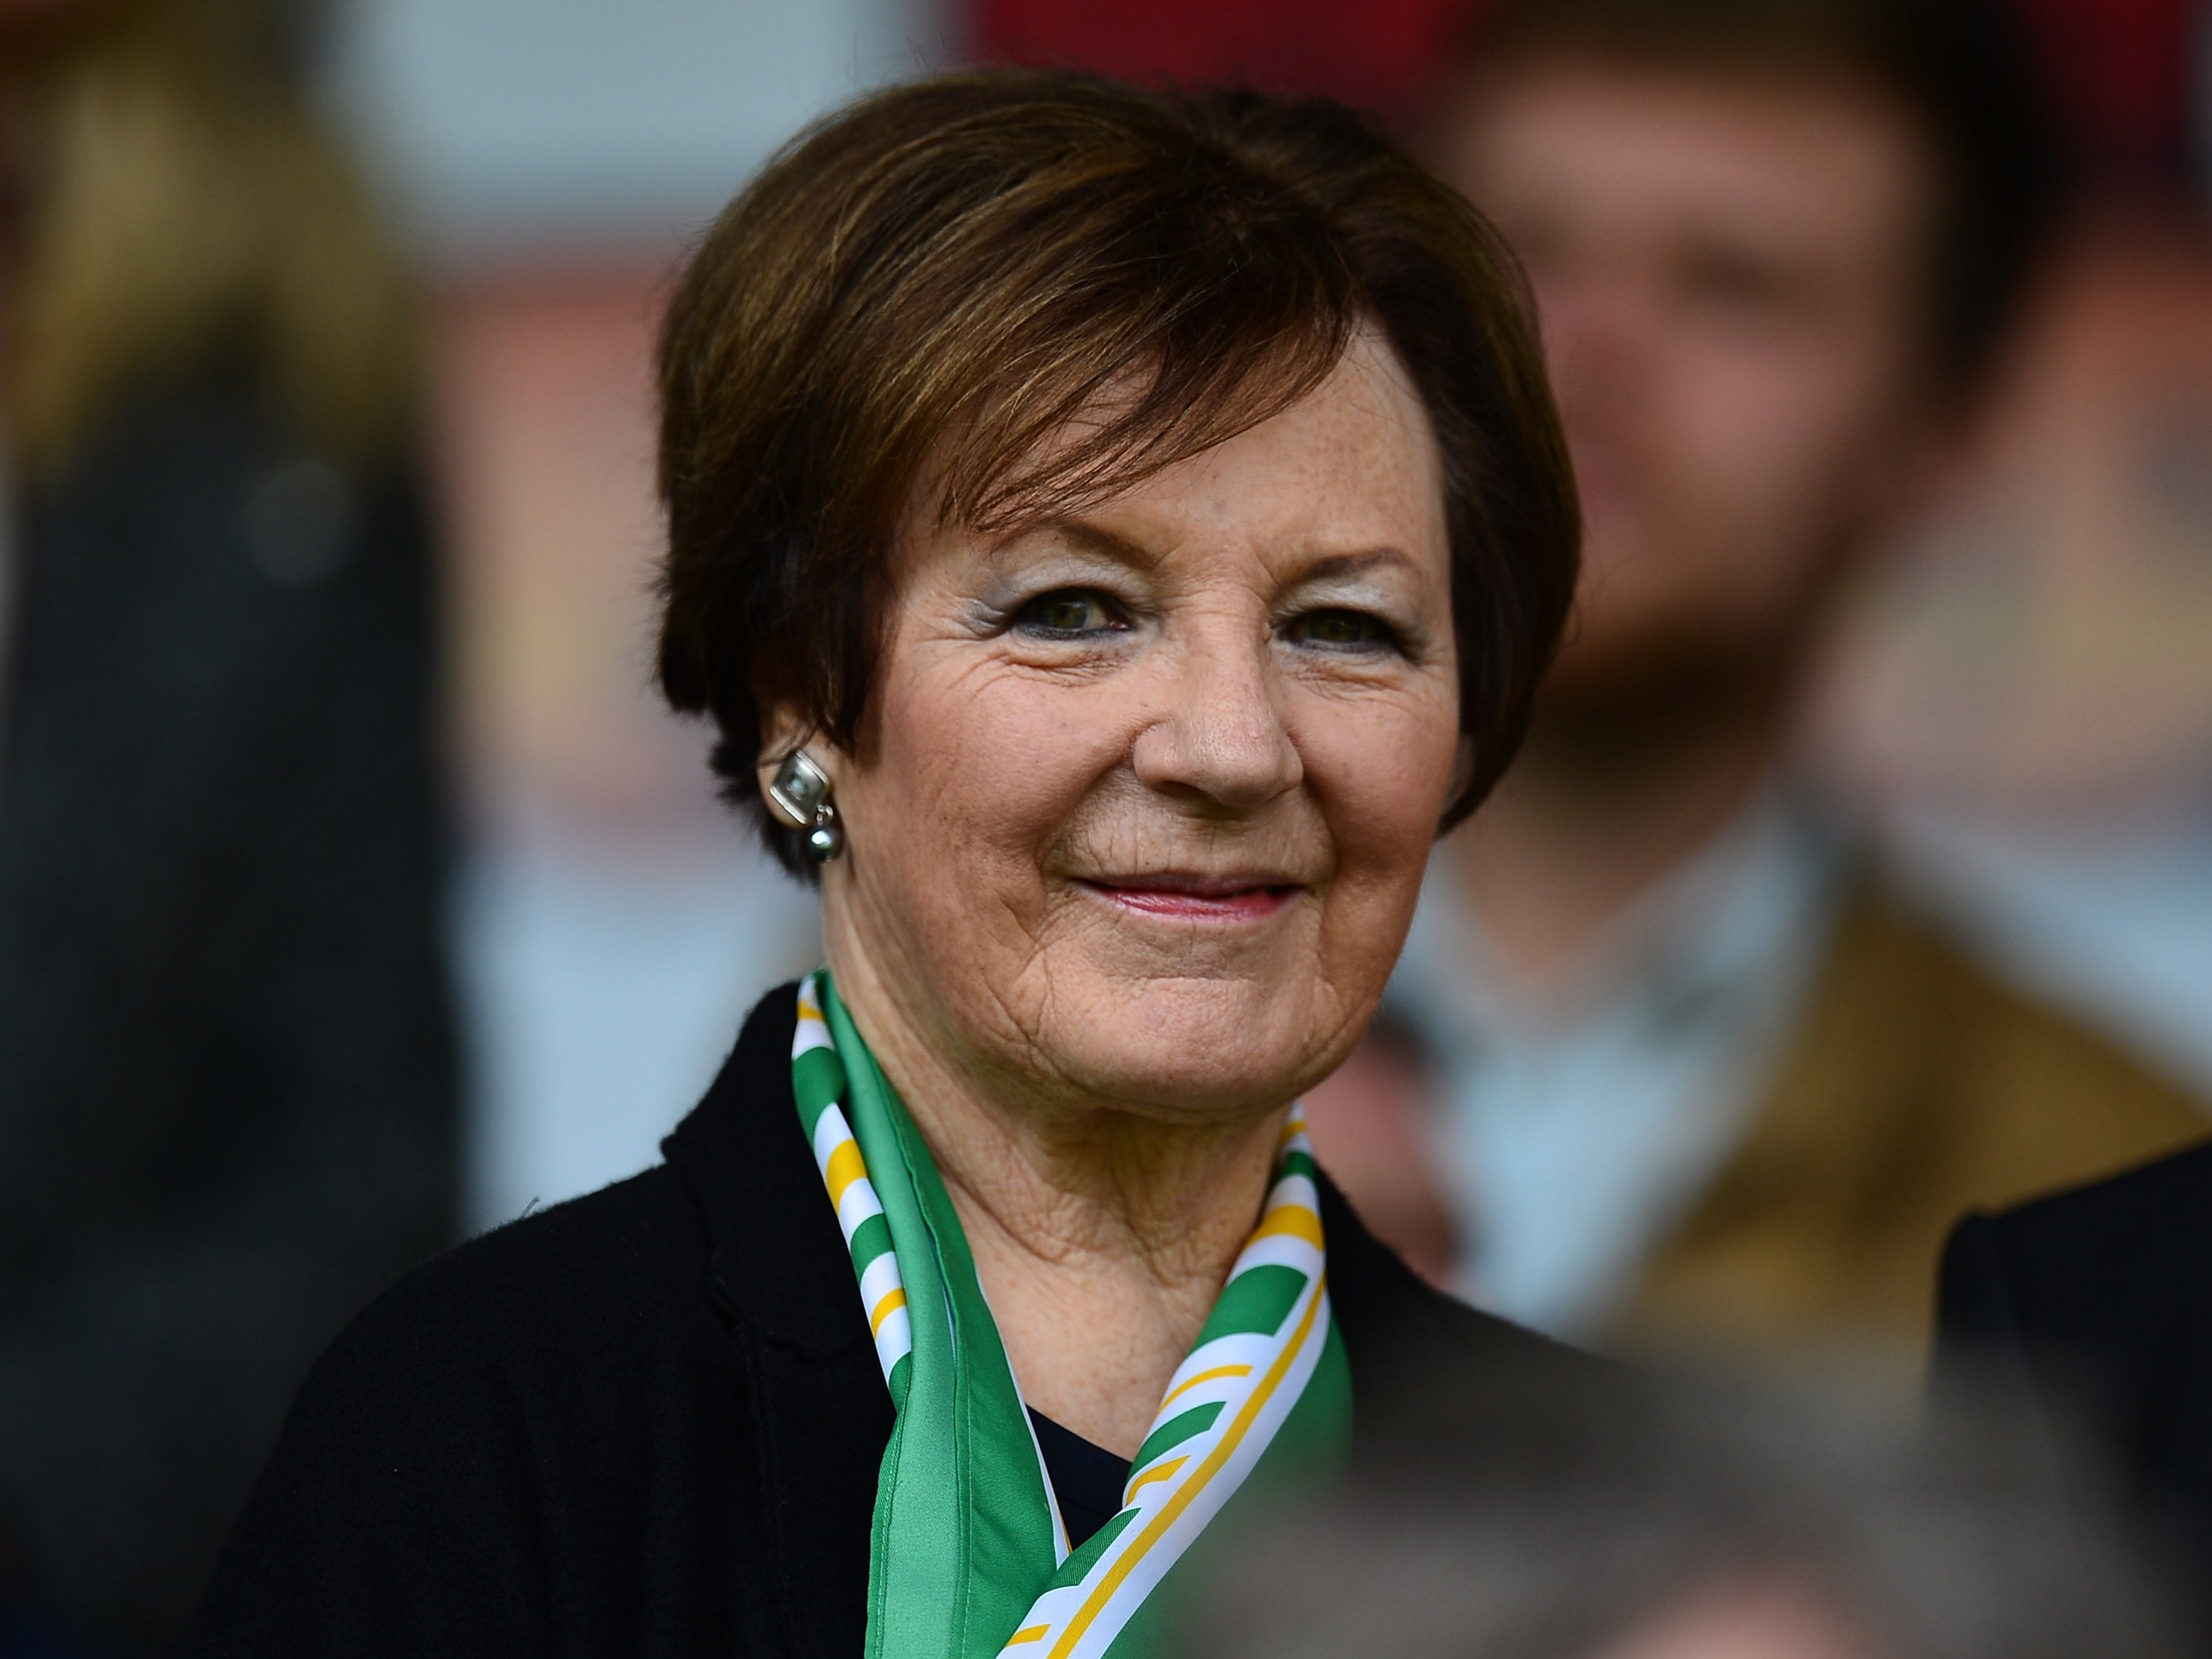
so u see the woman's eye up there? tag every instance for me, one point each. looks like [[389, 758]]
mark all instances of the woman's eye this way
[[1072, 611], [1342, 630]]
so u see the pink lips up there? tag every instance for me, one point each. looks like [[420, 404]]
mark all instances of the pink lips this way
[[1201, 899]]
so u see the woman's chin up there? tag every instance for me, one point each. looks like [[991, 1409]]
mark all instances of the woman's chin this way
[[1203, 1050]]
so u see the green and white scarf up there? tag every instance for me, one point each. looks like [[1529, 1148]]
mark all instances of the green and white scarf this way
[[969, 1558]]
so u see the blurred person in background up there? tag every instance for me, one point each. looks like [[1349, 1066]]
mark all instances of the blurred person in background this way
[[1668, 1063], [227, 1079], [1671, 1524]]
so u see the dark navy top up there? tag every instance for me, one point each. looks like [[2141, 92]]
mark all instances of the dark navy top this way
[[1087, 1478]]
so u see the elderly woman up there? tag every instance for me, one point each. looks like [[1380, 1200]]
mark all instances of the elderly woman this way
[[1111, 532]]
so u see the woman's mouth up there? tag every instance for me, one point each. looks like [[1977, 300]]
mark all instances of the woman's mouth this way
[[1177, 897]]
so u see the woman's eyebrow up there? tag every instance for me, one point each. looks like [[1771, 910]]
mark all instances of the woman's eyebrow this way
[[1335, 566], [1078, 536], [1089, 538], [1081, 536]]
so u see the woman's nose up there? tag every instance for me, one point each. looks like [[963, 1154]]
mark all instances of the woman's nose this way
[[1220, 732]]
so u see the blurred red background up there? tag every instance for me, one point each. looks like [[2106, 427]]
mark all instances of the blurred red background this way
[[2123, 69]]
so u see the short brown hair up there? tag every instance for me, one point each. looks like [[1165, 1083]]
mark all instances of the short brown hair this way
[[937, 278]]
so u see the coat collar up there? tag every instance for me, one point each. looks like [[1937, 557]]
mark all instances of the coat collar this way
[[777, 1257]]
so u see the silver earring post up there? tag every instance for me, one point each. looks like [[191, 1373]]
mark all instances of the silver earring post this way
[[800, 793]]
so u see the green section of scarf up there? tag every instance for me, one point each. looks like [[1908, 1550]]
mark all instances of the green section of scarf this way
[[967, 1557]]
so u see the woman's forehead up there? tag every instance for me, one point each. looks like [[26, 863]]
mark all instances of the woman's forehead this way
[[1026, 451], [1352, 463], [1353, 459]]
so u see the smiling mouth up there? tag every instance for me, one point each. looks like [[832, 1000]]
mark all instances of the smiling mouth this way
[[1174, 897]]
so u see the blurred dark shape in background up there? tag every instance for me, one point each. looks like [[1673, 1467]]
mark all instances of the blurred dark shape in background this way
[[228, 1090], [2093, 1309], [1687, 1524], [2127, 73]]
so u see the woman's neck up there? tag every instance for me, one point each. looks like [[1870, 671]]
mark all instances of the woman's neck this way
[[1102, 1236]]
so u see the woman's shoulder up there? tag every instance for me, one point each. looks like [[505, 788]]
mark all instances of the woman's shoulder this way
[[498, 1405], [552, 1283], [581, 1289], [604, 1293], [515, 1426], [570, 1312]]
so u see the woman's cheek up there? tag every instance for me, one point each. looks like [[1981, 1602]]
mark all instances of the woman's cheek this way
[[1384, 774], [1002, 760]]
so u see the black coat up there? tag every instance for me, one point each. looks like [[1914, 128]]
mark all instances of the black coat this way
[[645, 1422], [228, 1094], [2097, 1305]]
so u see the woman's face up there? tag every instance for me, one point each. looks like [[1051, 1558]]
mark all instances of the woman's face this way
[[1148, 791]]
